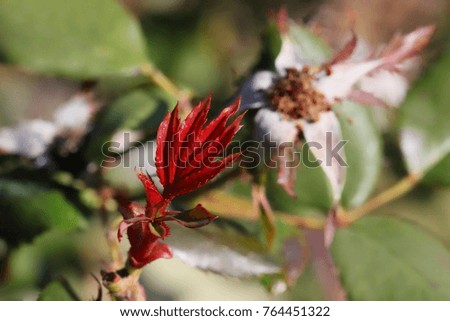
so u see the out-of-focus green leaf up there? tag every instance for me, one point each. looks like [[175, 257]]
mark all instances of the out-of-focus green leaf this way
[[311, 186], [440, 174], [271, 45], [388, 259], [224, 249], [307, 287], [136, 110], [311, 47], [196, 68], [51, 255], [363, 152], [425, 130], [54, 291], [26, 209], [72, 38]]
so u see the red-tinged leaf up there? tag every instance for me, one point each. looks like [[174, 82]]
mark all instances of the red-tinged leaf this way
[[161, 139], [200, 177], [211, 149], [154, 197], [161, 229], [172, 146], [145, 246], [208, 136], [157, 250], [130, 209], [125, 224], [196, 118], [231, 131], [217, 126], [193, 218], [164, 149]]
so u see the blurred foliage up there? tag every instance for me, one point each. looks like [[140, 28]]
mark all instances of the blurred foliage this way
[[55, 210]]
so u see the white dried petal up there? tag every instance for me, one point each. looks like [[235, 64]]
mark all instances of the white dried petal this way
[[343, 77], [270, 122], [322, 136], [390, 87], [289, 57]]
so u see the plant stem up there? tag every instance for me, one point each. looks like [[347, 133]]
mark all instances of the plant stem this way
[[396, 191], [324, 267], [159, 79]]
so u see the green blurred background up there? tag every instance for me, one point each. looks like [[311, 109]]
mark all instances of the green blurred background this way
[[204, 47]]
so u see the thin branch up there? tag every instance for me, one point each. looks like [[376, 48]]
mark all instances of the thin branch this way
[[324, 267], [398, 190], [162, 81]]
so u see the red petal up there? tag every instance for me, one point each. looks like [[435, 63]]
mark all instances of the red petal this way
[[193, 218]]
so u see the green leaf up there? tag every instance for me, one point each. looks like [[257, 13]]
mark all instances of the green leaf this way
[[139, 109], [311, 187], [224, 248], [440, 174], [312, 48], [271, 45], [195, 217], [425, 133], [388, 259], [72, 38], [52, 255], [363, 152], [28, 209], [54, 291]]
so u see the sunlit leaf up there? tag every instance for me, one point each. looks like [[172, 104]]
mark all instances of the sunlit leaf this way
[[71, 38], [28, 208], [388, 259], [424, 129], [363, 152], [221, 249]]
